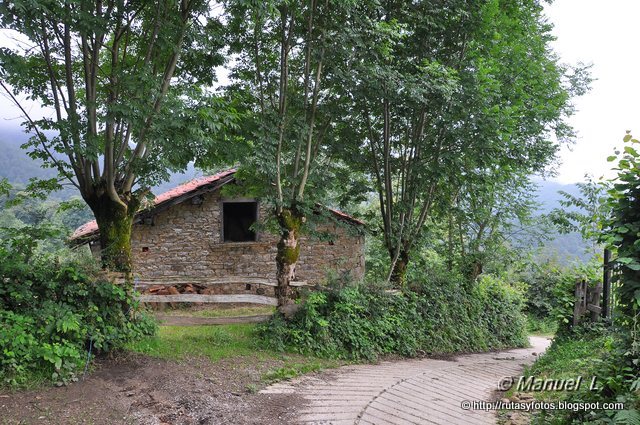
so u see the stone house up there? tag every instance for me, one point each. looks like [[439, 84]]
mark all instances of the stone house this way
[[193, 233]]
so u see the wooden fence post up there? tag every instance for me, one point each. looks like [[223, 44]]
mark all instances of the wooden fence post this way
[[587, 299], [606, 287], [580, 303], [594, 302]]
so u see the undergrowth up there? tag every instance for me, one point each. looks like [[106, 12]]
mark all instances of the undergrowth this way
[[54, 309], [441, 315]]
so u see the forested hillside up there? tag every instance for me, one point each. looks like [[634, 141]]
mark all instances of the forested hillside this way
[[15, 165], [563, 248], [18, 168]]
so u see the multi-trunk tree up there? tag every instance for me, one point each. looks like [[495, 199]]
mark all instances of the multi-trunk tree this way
[[447, 93], [285, 55], [117, 79]]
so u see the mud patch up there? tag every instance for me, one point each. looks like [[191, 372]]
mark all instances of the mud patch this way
[[137, 389]]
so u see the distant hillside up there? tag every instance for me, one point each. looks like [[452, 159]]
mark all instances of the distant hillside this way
[[18, 167], [565, 248], [15, 165], [548, 194]]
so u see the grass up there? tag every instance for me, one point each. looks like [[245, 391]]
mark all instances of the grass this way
[[212, 342], [33, 380], [541, 327], [226, 341], [568, 358], [220, 311]]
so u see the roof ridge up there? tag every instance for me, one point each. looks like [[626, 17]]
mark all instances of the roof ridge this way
[[88, 229], [91, 227]]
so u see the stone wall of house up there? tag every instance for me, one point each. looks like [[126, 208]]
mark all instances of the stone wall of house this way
[[186, 240]]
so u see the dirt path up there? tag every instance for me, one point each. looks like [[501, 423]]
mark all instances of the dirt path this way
[[136, 389], [425, 391]]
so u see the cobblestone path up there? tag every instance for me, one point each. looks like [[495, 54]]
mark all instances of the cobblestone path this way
[[421, 391]]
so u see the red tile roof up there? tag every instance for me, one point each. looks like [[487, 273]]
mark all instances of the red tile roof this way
[[345, 216], [91, 228], [85, 230]]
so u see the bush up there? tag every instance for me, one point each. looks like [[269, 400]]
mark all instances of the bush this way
[[542, 281], [435, 316], [54, 308]]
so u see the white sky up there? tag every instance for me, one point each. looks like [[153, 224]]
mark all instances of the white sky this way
[[602, 33], [606, 35]]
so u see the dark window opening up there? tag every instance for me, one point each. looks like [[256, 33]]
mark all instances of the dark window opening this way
[[237, 219]]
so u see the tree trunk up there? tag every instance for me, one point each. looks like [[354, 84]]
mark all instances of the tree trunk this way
[[114, 224], [399, 273], [290, 221], [473, 266], [476, 270]]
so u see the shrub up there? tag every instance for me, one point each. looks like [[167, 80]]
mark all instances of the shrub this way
[[437, 315], [542, 281], [53, 308]]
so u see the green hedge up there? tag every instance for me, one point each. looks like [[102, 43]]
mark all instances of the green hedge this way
[[435, 316], [54, 309]]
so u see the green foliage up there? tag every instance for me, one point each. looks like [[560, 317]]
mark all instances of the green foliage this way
[[154, 59], [620, 371], [550, 292], [589, 350], [541, 281], [22, 210], [623, 228], [437, 315], [286, 56], [53, 309], [128, 88], [617, 366], [537, 326], [564, 293], [427, 66], [567, 358], [489, 220], [570, 356], [585, 213]]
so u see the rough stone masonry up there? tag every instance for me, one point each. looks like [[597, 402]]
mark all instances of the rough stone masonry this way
[[186, 240]]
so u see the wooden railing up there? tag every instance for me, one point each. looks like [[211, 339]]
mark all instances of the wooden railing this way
[[141, 284], [201, 298]]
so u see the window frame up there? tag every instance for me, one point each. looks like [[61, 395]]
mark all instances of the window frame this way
[[238, 201]]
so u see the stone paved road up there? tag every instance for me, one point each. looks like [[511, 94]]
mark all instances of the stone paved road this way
[[422, 391]]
